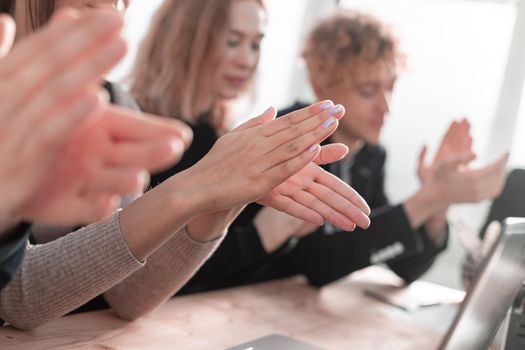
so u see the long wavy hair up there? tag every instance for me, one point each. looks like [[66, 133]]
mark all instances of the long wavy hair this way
[[171, 75]]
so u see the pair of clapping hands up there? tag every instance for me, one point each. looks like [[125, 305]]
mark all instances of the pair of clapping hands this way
[[68, 156]]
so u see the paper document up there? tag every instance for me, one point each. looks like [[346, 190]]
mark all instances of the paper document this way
[[416, 295]]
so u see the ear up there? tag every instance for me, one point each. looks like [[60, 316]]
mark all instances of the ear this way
[[319, 90]]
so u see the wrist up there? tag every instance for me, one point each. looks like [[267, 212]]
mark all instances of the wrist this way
[[211, 226], [432, 197], [422, 206], [436, 227], [148, 222], [271, 237], [185, 195], [436, 230], [193, 231]]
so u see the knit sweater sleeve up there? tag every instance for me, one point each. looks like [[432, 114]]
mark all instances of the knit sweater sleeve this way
[[167, 270], [59, 276]]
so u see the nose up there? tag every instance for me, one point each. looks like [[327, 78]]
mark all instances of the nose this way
[[384, 102], [247, 58]]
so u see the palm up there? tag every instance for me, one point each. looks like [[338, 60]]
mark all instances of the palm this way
[[457, 142], [103, 160], [316, 196]]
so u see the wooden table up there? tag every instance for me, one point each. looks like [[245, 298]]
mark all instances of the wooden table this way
[[338, 316]]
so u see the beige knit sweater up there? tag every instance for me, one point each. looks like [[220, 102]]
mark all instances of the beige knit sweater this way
[[57, 277]]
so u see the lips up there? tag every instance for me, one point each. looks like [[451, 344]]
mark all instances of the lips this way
[[113, 6], [377, 123], [236, 81]]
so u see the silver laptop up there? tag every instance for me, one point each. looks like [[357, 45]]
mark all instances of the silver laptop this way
[[493, 292], [275, 342]]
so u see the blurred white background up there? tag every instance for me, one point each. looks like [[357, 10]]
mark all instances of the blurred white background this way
[[457, 51]]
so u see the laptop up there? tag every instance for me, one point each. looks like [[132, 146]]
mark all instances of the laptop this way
[[493, 292], [275, 342], [485, 306]]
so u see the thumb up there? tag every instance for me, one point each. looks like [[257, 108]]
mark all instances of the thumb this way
[[264, 118], [7, 34], [421, 162], [331, 153], [461, 159], [422, 156]]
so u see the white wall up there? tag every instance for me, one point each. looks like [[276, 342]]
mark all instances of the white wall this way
[[138, 17]]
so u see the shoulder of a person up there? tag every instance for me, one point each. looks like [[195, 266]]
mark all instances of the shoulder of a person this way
[[371, 151], [296, 106]]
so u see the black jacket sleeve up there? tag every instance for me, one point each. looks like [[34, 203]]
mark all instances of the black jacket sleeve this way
[[390, 238], [414, 267], [324, 258], [240, 259]]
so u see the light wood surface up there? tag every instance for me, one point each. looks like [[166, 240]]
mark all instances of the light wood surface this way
[[339, 316]]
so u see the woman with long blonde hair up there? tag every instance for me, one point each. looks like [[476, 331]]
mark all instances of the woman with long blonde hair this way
[[198, 58]]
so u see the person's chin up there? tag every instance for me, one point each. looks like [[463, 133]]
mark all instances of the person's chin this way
[[373, 139], [230, 94]]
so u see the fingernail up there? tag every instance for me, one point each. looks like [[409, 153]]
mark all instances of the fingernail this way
[[313, 148], [327, 124], [268, 110], [336, 110], [326, 105], [176, 147]]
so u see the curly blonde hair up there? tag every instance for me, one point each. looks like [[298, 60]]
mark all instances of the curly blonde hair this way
[[344, 42]]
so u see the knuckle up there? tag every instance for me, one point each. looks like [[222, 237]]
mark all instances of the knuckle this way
[[291, 148], [288, 120], [319, 133], [285, 169], [296, 130], [313, 203], [329, 194]]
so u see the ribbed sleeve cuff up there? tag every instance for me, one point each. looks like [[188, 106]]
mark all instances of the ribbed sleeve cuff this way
[[59, 276], [167, 270]]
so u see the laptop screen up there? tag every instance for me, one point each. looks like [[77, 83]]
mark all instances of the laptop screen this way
[[492, 293]]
